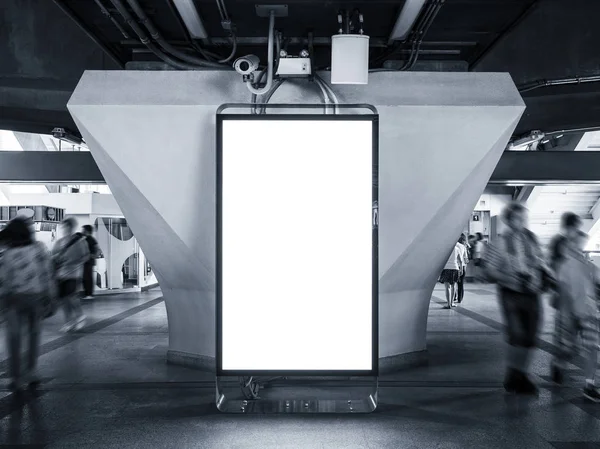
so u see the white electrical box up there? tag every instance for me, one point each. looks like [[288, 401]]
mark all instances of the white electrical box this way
[[350, 59], [294, 67]]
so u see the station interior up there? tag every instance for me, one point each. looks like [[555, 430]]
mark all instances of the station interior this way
[[142, 119]]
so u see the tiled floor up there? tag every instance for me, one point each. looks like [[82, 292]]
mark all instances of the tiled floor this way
[[109, 387]]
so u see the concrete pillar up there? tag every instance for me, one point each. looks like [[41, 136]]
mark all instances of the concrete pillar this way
[[153, 137]]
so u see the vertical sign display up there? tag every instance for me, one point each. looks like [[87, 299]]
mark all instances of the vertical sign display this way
[[297, 244]]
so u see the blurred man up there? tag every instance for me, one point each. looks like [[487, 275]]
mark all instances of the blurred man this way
[[515, 263], [87, 232], [577, 313], [70, 253], [570, 224]]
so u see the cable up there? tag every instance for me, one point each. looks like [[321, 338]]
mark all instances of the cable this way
[[416, 39], [146, 41], [269, 94], [254, 96], [425, 30], [270, 60], [328, 91], [558, 82], [139, 11], [326, 99], [220, 10], [109, 16], [233, 51]]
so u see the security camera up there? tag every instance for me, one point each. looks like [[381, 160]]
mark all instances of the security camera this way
[[246, 65]]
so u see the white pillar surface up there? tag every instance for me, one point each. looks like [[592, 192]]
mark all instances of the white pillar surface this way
[[153, 137]]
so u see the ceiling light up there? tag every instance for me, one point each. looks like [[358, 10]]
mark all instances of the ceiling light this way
[[406, 19], [189, 14]]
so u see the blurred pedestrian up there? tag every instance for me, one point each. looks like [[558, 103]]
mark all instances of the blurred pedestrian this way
[[515, 263], [577, 313], [25, 279], [87, 232], [70, 253], [570, 225]]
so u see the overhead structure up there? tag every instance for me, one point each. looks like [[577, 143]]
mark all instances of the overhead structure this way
[[189, 14], [406, 19]]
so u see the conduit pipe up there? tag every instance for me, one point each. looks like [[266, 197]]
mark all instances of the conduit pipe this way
[[270, 60], [155, 34], [146, 41], [558, 82]]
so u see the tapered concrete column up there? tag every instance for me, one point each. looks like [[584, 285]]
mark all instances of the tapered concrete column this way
[[153, 137]]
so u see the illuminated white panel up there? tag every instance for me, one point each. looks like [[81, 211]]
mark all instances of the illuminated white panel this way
[[297, 245]]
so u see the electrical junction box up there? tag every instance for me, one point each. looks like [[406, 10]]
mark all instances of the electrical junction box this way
[[294, 67]]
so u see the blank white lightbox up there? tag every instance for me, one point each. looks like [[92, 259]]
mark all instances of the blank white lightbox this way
[[296, 244]]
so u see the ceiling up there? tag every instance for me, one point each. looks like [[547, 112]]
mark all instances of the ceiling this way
[[44, 50]]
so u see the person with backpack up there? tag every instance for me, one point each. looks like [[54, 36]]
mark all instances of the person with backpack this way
[[25, 280], [87, 232], [516, 265], [70, 253], [577, 313], [451, 274]]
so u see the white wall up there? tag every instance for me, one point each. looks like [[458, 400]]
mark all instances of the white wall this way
[[154, 145]]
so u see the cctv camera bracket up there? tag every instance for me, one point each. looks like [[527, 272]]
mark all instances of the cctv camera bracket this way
[[265, 10]]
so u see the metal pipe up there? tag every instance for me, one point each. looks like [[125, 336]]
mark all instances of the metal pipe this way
[[558, 82], [326, 99], [89, 33], [329, 91], [436, 9], [269, 94], [414, 38], [146, 41], [270, 60], [155, 34]]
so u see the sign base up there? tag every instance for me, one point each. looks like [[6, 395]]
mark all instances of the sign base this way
[[292, 395]]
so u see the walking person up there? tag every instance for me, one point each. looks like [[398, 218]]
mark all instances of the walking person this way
[[25, 279], [450, 275], [515, 263], [70, 253], [478, 254], [464, 252], [87, 232], [577, 314], [570, 225]]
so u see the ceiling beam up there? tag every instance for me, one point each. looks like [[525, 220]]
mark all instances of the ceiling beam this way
[[514, 168], [46, 167], [547, 167]]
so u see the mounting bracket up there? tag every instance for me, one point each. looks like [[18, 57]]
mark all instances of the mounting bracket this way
[[265, 10]]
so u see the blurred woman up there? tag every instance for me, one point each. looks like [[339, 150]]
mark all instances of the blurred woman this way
[[25, 277], [515, 263], [451, 274]]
